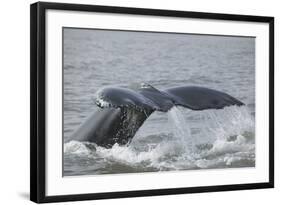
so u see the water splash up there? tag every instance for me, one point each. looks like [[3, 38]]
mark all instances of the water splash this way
[[187, 140], [79, 148], [181, 130], [230, 121]]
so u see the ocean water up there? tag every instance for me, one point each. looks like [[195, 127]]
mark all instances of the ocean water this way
[[180, 139]]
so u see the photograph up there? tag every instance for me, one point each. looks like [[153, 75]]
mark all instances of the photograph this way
[[145, 101], [134, 102]]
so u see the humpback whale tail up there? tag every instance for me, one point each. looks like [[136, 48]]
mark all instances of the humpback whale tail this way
[[122, 111]]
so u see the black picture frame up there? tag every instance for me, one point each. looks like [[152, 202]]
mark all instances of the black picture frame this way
[[38, 101]]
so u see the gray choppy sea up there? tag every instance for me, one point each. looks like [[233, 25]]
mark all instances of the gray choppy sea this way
[[181, 139]]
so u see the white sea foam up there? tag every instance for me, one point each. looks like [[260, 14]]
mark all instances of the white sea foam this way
[[78, 148]]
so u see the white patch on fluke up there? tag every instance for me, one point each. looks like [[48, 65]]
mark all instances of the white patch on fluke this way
[[100, 101], [145, 85]]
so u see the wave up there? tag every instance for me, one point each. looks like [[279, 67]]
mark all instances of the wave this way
[[205, 139]]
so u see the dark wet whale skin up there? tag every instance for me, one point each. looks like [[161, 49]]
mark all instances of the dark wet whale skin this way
[[123, 111]]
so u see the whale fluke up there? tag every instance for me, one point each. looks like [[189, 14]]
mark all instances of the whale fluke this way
[[122, 111]]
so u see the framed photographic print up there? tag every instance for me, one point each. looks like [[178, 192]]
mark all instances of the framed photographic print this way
[[129, 102]]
